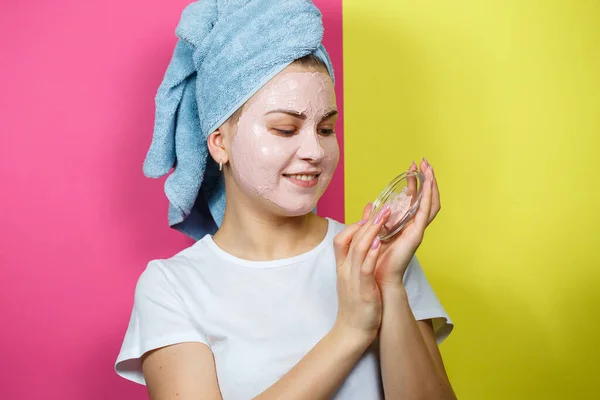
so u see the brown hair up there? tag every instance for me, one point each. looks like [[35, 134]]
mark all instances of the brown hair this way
[[308, 61]]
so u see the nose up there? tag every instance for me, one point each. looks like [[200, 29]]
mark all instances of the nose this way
[[310, 148]]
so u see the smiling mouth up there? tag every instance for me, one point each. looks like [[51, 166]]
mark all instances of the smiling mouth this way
[[303, 180], [302, 177]]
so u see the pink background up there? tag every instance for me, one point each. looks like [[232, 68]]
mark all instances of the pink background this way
[[79, 221]]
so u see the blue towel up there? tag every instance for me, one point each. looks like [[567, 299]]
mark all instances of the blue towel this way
[[227, 50]]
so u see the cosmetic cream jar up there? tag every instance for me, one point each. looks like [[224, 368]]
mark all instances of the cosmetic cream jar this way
[[403, 194]]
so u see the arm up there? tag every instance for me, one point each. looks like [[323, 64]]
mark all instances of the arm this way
[[186, 371], [411, 364], [322, 370], [181, 371]]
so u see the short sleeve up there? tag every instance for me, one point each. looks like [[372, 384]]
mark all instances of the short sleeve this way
[[159, 318], [424, 302]]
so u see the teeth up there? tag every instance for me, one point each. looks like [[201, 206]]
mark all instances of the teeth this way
[[303, 177]]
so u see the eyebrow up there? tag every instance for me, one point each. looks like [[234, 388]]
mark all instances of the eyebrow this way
[[302, 116]]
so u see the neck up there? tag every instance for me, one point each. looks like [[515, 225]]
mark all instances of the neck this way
[[255, 236]]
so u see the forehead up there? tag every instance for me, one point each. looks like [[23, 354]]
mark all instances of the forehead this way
[[296, 86]]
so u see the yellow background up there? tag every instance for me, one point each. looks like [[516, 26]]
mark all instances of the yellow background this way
[[503, 98]]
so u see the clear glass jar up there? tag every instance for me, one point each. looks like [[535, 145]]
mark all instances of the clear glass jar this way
[[403, 194]]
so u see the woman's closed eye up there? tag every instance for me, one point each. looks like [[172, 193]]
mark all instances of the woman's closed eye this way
[[327, 131], [293, 131], [285, 131]]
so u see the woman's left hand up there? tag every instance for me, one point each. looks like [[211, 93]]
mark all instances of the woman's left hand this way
[[397, 251]]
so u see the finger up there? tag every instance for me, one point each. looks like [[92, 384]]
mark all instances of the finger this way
[[342, 241], [367, 211], [412, 179], [435, 199], [362, 240], [424, 165], [366, 275], [363, 224], [422, 217]]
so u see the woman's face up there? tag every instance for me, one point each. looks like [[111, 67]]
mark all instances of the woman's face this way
[[285, 149]]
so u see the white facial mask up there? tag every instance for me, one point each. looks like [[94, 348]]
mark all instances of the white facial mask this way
[[267, 163]]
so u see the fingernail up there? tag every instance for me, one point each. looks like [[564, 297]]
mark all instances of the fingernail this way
[[378, 218], [376, 242], [381, 213], [362, 222]]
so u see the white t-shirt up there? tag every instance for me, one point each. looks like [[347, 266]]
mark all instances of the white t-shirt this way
[[259, 318]]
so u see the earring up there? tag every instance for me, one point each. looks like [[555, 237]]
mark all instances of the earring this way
[[220, 165]]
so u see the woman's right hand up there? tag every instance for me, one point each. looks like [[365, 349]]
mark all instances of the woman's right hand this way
[[359, 300]]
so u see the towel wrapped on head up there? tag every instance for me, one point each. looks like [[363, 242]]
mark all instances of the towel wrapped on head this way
[[227, 50]]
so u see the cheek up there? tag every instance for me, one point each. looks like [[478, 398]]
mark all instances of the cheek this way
[[274, 154], [332, 152], [258, 153], [249, 142]]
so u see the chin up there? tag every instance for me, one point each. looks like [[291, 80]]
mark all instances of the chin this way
[[295, 210]]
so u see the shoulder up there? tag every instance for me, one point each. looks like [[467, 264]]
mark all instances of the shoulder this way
[[336, 226], [165, 272]]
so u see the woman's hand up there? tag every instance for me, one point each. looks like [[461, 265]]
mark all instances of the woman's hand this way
[[357, 248], [396, 253]]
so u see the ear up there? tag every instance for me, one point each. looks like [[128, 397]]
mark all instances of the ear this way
[[216, 146]]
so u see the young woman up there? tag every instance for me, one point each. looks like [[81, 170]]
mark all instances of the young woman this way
[[280, 303]]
